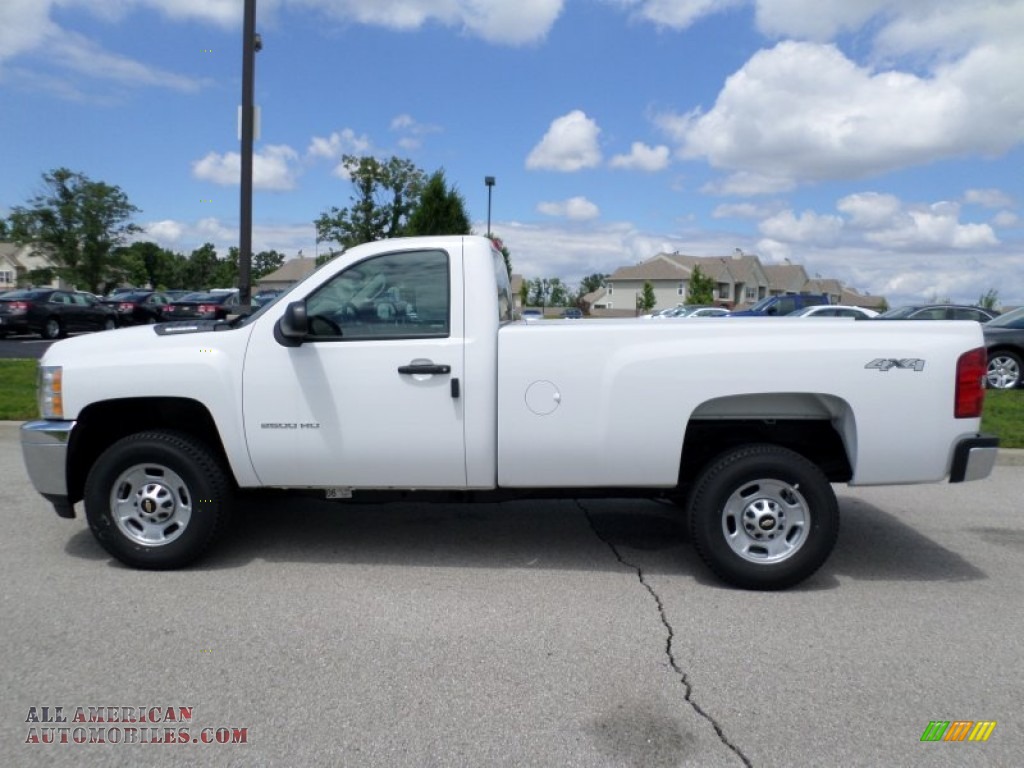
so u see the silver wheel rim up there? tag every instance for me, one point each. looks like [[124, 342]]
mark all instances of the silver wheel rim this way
[[151, 504], [1003, 372], [52, 329], [766, 521]]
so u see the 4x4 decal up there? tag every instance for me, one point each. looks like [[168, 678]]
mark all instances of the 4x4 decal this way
[[886, 364]]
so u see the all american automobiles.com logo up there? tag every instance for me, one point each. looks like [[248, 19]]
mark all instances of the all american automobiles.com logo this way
[[125, 725]]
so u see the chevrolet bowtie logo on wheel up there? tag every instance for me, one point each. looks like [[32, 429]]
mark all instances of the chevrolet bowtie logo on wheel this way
[[958, 730]]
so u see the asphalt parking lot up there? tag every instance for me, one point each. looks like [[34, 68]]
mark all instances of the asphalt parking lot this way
[[544, 634]]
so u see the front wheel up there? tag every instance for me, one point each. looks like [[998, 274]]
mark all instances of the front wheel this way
[[763, 517], [52, 329], [1004, 370], [157, 500]]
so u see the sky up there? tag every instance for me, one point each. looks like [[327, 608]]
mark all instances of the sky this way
[[879, 142]]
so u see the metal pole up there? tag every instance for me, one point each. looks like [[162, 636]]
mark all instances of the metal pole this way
[[249, 47], [489, 181]]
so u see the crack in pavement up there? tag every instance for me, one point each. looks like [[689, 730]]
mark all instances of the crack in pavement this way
[[683, 677]]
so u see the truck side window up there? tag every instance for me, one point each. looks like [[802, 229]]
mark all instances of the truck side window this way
[[394, 296]]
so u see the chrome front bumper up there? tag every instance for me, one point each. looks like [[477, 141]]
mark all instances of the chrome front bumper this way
[[973, 458], [44, 446]]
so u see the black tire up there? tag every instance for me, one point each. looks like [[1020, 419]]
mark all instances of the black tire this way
[[109, 324], [763, 517], [1004, 370], [52, 329], [158, 500]]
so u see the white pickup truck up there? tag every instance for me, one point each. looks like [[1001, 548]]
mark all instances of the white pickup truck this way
[[398, 369]]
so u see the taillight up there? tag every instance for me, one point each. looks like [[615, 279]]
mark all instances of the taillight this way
[[207, 309], [17, 307], [970, 384], [125, 307]]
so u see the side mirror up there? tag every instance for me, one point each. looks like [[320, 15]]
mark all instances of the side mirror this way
[[293, 327]]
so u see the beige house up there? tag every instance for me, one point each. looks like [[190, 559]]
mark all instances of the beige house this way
[[19, 262], [740, 281], [287, 275]]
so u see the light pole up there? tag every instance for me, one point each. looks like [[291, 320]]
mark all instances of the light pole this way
[[489, 181], [251, 43]]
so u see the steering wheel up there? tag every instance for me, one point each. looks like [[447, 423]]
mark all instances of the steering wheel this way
[[318, 324]]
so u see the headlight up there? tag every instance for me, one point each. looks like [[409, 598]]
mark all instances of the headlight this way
[[51, 391]]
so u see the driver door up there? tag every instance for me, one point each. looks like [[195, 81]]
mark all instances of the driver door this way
[[371, 398]]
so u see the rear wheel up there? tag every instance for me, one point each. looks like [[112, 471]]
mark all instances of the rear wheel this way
[[109, 324], [1004, 370], [763, 517], [157, 499]]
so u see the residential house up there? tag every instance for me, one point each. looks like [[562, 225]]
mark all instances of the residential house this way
[[740, 281], [22, 265], [287, 275]]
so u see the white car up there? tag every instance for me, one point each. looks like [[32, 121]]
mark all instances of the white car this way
[[835, 310]]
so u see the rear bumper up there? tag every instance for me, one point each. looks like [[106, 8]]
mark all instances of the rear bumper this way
[[44, 446], [973, 458]]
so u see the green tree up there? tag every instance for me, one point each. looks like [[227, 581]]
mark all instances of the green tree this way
[[79, 222], [646, 300], [989, 300], [559, 293], [505, 253], [593, 282], [203, 269], [385, 194], [265, 262], [146, 263], [440, 210], [701, 288], [4, 229]]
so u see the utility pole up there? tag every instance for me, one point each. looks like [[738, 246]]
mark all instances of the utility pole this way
[[250, 44]]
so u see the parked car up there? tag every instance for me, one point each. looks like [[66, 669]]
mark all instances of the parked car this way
[[777, 306], [205, 306], [690, 310], [1004, 338], [835, 310], [264, 297], [53, 313], [532, 315], [939, 312], [572, 313], [139, 307], [176, 293]]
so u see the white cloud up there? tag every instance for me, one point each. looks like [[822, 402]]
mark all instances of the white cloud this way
[[678, 14], [185, 236], [808, 227], [24, 26], [745, 211], [642, 158], [343, 142], [816, 19], [166, 232], [575, 208], [272, 168], [496, 21], [413, 131], [569, 145], [1005, 219], [870, 210], [887, 221], [805, 112], [988, 198]]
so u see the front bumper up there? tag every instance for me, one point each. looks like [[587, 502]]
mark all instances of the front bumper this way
[[973, 458], [44, 446]]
